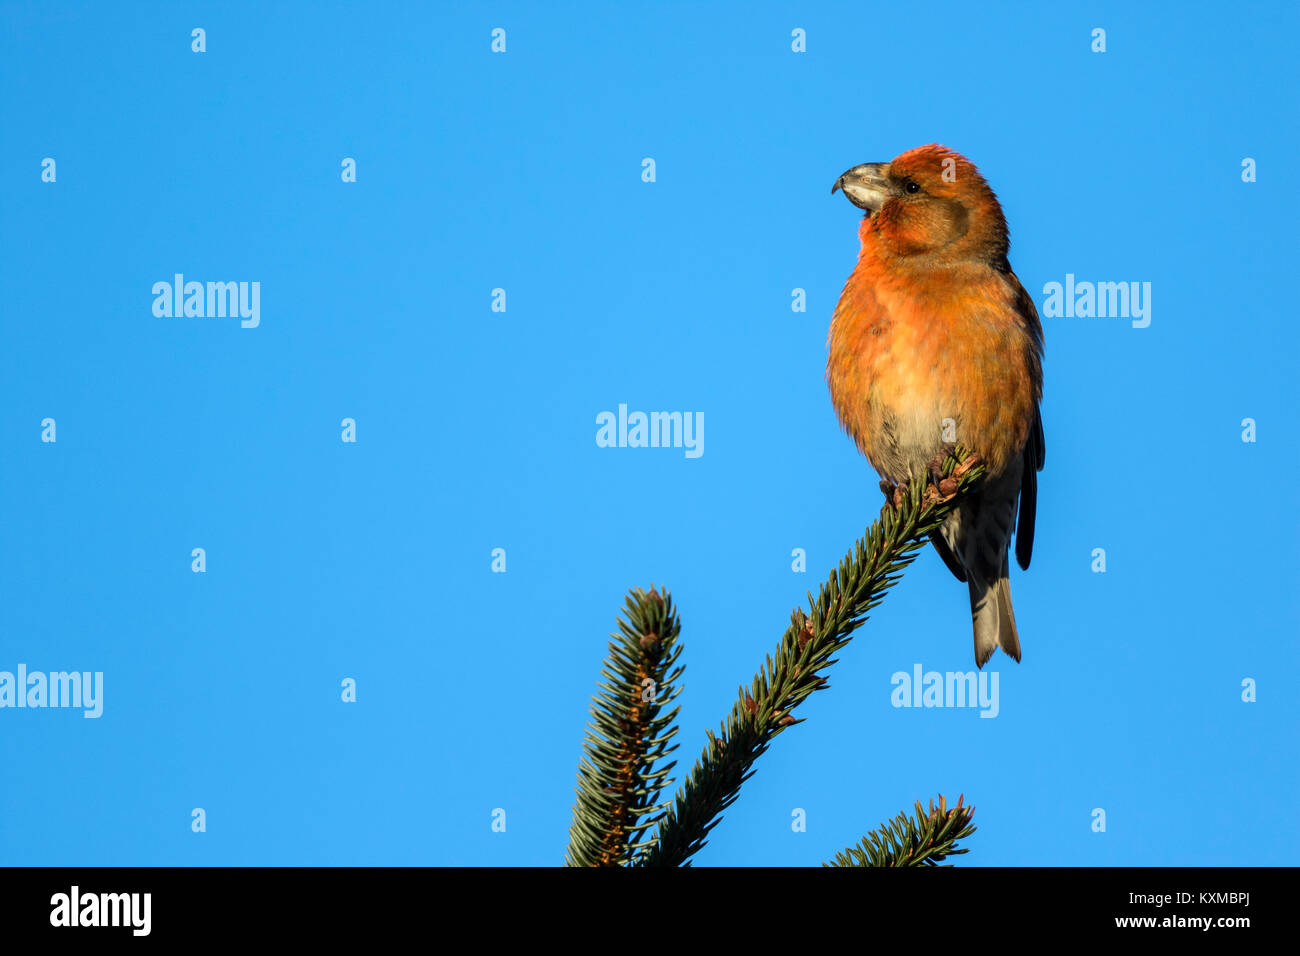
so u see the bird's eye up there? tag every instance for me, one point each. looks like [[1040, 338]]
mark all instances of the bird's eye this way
[[911, 187]]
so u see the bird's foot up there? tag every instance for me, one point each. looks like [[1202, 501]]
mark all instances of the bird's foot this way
[[934, 467], [895, 494], [944, 487]]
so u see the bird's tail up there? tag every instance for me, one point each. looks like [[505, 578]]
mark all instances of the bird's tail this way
[[994, 620]]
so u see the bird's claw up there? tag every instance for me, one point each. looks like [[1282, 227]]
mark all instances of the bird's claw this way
[[939, 488], [943, 487], [934, 467], [895, 494]]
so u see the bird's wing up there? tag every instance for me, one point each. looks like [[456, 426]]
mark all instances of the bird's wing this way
[[945, 552], [1035, 453], [1036, 447]]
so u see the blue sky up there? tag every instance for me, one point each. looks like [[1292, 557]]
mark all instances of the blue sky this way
[[476, 428]]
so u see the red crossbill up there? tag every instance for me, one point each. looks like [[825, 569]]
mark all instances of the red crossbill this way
[[935, 343]]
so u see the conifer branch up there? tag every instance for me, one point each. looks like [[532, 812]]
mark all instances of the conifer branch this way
[[765, 710], [620, 777], [904, 841]]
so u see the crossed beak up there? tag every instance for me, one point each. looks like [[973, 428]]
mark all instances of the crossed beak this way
[[866, 186]]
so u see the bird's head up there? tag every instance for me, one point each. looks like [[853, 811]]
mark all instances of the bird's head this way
[[927, 201]]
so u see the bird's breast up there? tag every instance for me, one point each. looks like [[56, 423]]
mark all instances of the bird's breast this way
[[913, 367]]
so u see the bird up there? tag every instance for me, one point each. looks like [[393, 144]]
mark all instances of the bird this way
[[935, 343]]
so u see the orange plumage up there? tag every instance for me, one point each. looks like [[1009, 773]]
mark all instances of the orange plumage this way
[[934, 343]]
